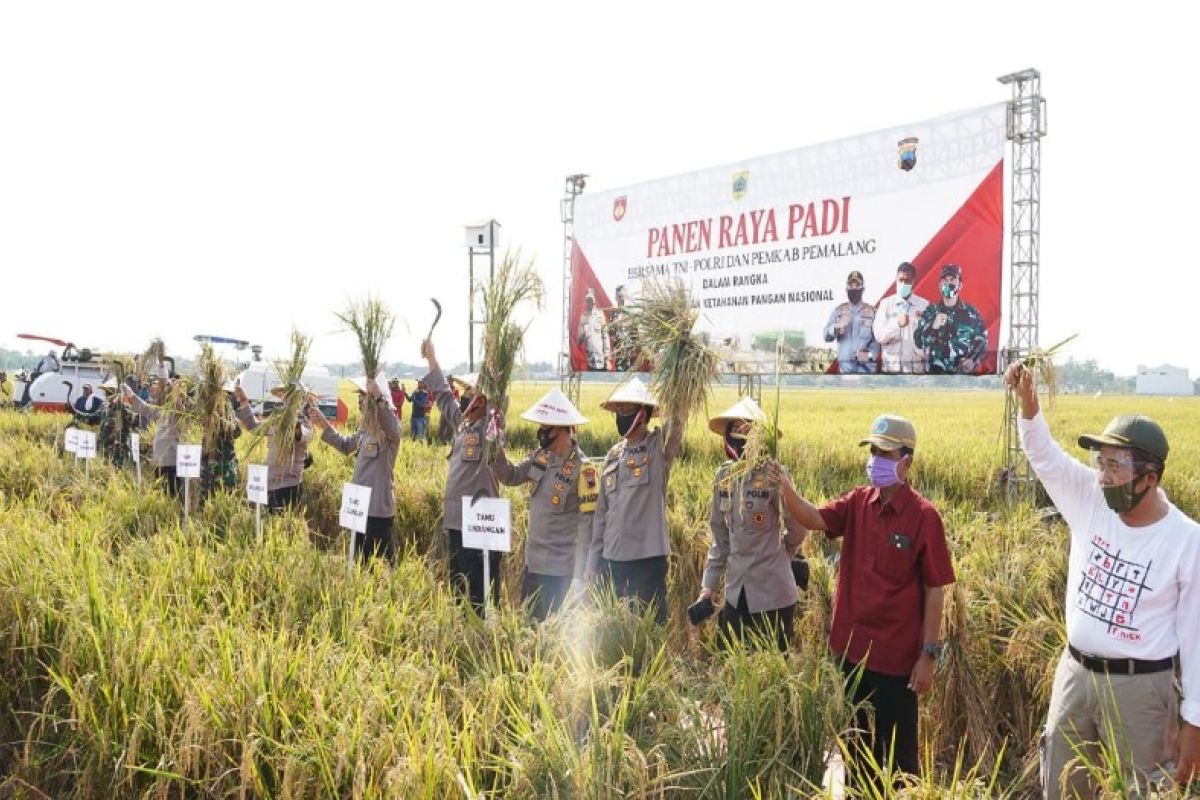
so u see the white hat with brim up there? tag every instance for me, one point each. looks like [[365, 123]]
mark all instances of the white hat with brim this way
[[279, 391], [471, 380], [634, 391], [745, 410], [360, 384], [554, 409]]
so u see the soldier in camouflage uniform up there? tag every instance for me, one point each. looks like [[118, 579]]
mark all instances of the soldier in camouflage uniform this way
[[219, 461], [951, 332], [117, 421]]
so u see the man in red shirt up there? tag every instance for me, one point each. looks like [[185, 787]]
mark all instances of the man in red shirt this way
[[887, 611], [399, 395]]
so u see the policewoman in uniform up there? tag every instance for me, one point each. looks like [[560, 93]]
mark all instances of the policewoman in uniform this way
[[553, 472], [284, 476], [468, 475], [629, 532], [166, 435], [374, 465], [749, 544]]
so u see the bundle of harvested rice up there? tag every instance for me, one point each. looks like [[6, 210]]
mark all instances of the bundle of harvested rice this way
[[371, 323]]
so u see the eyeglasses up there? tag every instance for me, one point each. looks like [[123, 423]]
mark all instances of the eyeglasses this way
[[1122, 463]]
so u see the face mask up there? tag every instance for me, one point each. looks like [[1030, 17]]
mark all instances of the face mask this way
[[625, 422], [1123, 498], [463, 403], [949, 292], [881, 472], [855, 295], [904, 290], [545, 437], [734, 446]]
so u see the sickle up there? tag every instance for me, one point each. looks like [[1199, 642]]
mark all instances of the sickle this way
[[437, 318]]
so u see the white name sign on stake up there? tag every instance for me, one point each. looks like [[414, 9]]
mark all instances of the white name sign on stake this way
[[85, 445], [487, 524], [256, 484], [187, 461], [71, 440], [355, 502], [135, 447]]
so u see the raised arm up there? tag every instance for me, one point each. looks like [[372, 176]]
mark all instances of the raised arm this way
[[802, 511]]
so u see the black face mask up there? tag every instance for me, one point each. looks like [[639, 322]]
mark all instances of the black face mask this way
[[545, 437], [1123, 497], [855, 295], [463, 402], [735, 444], [625, 422]]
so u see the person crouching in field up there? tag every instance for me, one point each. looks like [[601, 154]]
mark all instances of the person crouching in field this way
[[374, 465], [630, 545], [760, 589], [553, 472], [887, 610], [285, 467], [468, 476], [1133, 601], [166, 435]]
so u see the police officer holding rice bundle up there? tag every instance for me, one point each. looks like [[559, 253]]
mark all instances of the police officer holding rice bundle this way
[[166, 435], [468, 476], [629, 532], [760, 586], [554, 473], [374, 464], [285, 465]]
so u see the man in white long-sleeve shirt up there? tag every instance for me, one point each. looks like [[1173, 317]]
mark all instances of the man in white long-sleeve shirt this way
[[1133, 598]]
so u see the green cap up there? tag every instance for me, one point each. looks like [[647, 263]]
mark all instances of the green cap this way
[[1128, 430]]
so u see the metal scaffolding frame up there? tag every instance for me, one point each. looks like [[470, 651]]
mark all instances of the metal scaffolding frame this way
[[568, 377], [1026, 127], [475, 316]]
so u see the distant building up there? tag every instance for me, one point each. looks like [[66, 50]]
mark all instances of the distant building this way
[[1164, 379]]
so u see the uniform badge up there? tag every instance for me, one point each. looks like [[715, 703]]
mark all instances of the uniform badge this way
[[760, 518], [555, 500], [568, 469], [608, 481], [749, 505], [469, 452], [637, 472], [631, 463], [559, 486], [471, 439], [542, 459], [758, 484]]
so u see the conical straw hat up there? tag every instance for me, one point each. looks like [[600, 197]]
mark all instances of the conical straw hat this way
[[633, 390], [745, 409], [554, 409]]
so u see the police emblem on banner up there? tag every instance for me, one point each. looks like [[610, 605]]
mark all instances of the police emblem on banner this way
[[908, 153], [741, 182], [619, 206]]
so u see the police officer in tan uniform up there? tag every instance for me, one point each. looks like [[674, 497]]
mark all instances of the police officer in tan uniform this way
[[374, 466], [750, 545], [166, 435], [553, 473], [468, 476], [284, 476], [629, 532]]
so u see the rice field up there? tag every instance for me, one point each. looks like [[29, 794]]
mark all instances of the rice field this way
[[143, 660]]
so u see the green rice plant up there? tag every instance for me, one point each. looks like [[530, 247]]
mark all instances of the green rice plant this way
[[371, 323], [514, 284], [279, 428], [684, 368]]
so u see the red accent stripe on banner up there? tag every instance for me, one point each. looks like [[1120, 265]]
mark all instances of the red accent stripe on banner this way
[[974, 239], [582, 279]]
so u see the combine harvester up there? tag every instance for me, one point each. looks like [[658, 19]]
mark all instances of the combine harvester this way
[[54, 389], [257, 377]]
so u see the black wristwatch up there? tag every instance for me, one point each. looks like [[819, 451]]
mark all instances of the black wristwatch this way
[[933, 649]]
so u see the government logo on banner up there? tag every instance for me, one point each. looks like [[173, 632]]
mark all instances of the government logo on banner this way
[[619, 205], [808, 271], [741, 183]]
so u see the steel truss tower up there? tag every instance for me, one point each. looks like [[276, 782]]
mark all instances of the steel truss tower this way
[[1026, 127]]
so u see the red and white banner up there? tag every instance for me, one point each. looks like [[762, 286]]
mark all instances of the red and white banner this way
[[879, 253]]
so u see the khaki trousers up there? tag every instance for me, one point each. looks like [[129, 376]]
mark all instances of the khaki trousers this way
[[1134, 717]]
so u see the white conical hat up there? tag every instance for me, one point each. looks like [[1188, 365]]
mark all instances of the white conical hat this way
[[554, 409], [744, 409], [360, 383], [633, 390], [470, 380]]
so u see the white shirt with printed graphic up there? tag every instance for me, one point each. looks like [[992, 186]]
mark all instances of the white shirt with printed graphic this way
[[1131, 592]]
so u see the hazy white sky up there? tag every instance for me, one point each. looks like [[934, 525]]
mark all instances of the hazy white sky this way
[[239, 167]]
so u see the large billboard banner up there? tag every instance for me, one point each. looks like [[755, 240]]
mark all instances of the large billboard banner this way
[[879, 253]]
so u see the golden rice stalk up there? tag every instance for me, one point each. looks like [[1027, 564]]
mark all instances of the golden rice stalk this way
[[515, 282], [149, 360], [211, 409], [280, 426], [371, 323], [1041, 362], [684, 368]]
